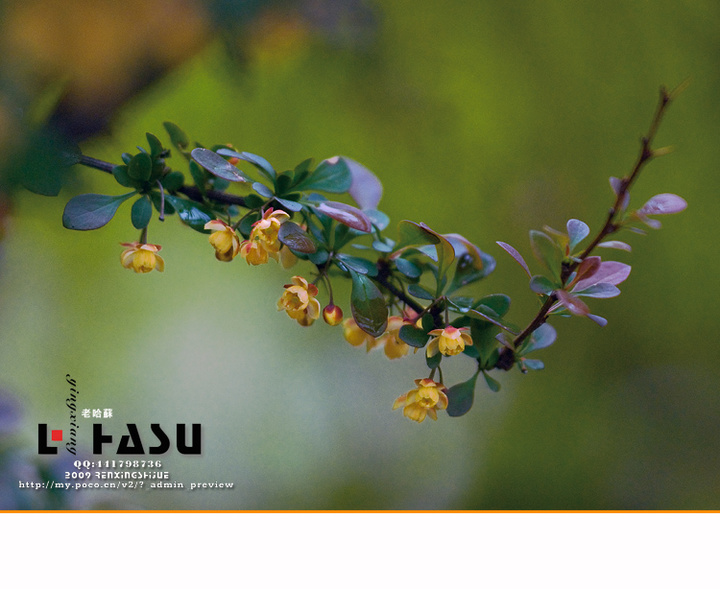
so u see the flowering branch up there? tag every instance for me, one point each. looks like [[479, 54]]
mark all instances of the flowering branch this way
[[408, 291]]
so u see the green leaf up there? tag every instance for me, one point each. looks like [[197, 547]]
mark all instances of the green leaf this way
[[120, 173], [547, 252], [487, 314], [492, 384], [217, 165], [259, 162], [295, 238], [140, 167], [302, 170], [91, 211], [290, 205], [368, 305], [359, 265], [262, 190], [433, 361], [542, 285], [407, 268], [191, 213], [379, 219], [177, 136], [173, 181], [419, 292], [44, 163], [156, 147], [461, 397], [413, 336], [500, 303], [141, 212], [411, 234], [332, 175]]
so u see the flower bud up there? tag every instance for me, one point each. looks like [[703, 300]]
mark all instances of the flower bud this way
[[333, 315]]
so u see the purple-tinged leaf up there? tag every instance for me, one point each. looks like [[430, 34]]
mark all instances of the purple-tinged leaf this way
[[587, 268], [572, 303], [609, 273], [601, 321], [365, 189], [516, 256], [577, 231], [619, 245], [598, 291], [663, 204], [543, 337], [346, 214], [616, 184], [217, 165]]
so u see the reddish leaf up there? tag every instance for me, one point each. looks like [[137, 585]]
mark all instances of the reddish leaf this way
[[587, 268], [365, 189], [516, 256], [572, 303], [609, 273], [619, 245], [346, 214], [663, 204]]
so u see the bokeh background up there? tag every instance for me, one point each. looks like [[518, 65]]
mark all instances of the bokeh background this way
[[484, 118]]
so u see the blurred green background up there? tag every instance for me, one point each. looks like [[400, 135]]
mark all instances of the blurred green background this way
[[483, 118]]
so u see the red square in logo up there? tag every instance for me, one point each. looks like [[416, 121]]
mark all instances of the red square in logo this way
[[56, 435]]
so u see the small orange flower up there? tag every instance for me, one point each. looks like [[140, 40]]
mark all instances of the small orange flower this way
[[142, 257], [449, 341], [333, 315], [426, 399], [299, 301], [224, 239], [394, 346]]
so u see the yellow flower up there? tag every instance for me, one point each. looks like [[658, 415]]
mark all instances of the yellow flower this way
[[266, 230], [333, 315], [394, 346], [356, 336], [426, 399], [253, 252], [263, 242], [299, 301], [449, 341], [224, 239], [142, 257]]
